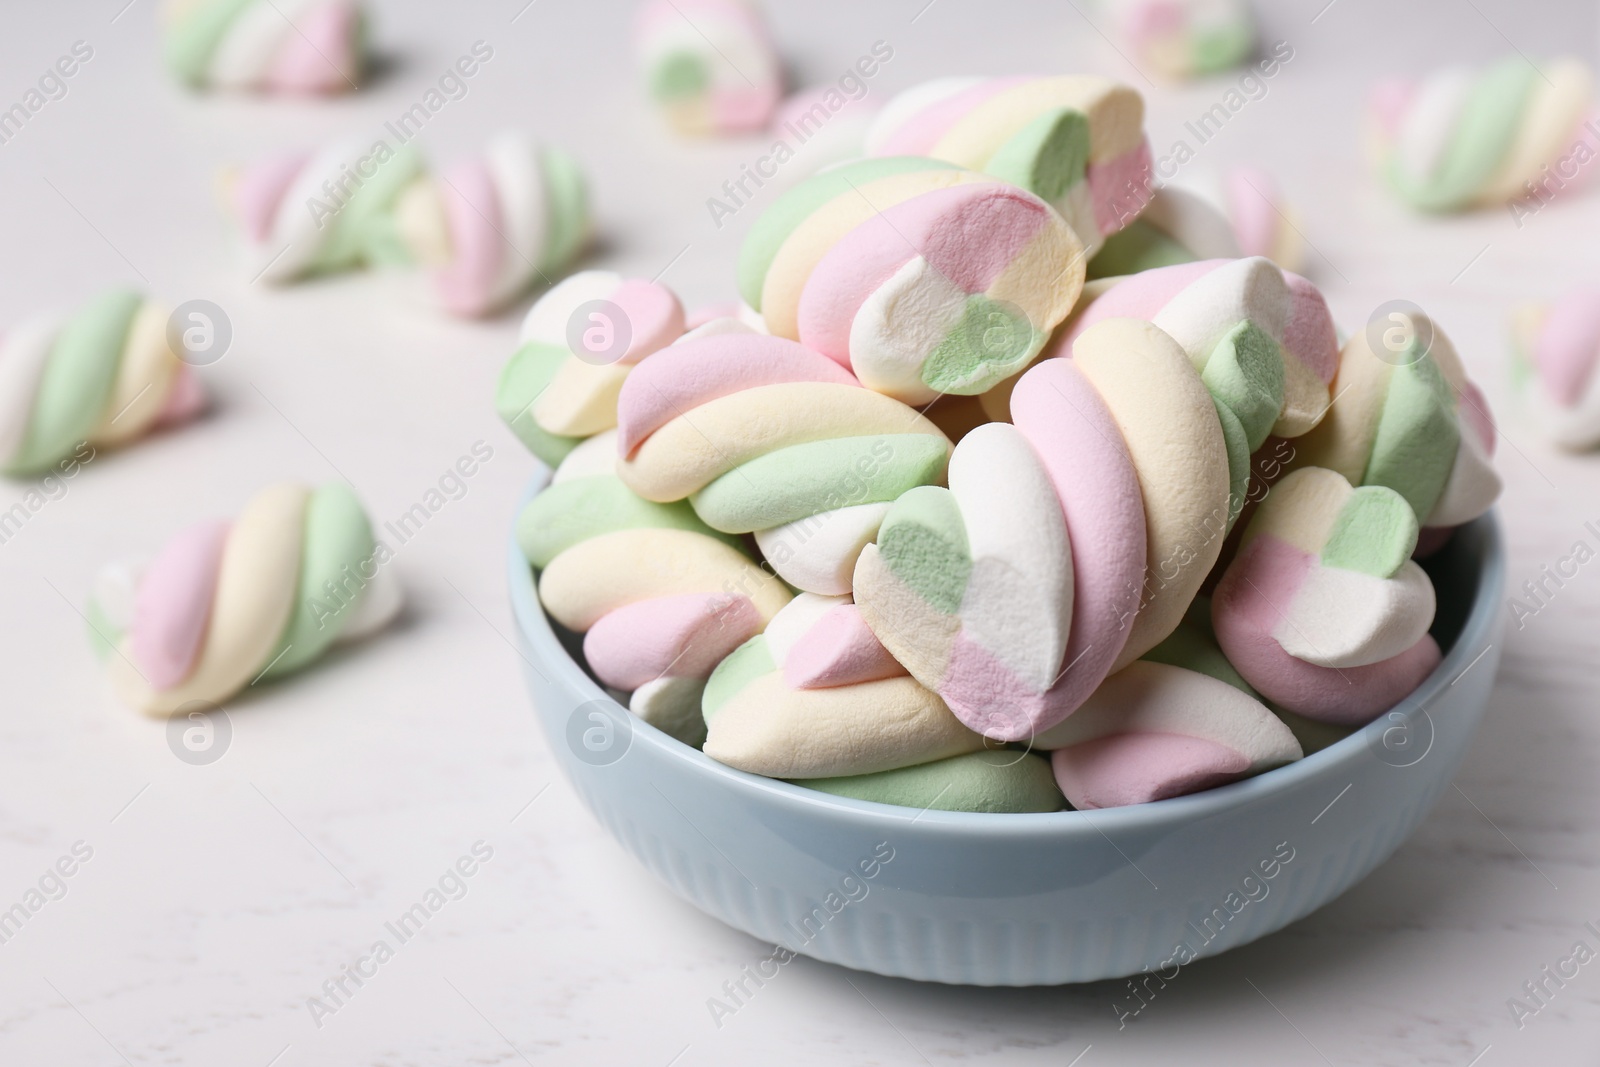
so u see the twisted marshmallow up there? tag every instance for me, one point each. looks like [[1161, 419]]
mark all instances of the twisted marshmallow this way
[[102, 376], [273, 46], [1240, 214], [920, 277], [1559, 346], [552, 395], [660, 597], [226, 605], [709, 64], [486, 229], [767, 436], [1461, 138], [1184, 38], [1323, 610], [1076, 141]]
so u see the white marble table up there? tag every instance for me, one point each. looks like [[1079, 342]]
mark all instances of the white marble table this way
[[219, 898]]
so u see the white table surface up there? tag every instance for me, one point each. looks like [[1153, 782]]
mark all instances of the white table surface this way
[[219, 898]]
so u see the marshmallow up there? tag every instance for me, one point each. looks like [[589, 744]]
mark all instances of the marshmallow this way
[[921, 278], [97, 378], [998, 781], [872, 720], [226, 605], [269, 46], [1183, 38], [1322, 609], [765, 435], [660, 597], [709, 65], [485, 230], [1461, 139], [1154, 731], [1075, 141], [1241, 213], [1408, 418], [553, 395], [1558, 346]]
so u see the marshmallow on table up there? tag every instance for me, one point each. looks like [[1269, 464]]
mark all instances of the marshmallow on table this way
[[1463, 138], [709, 64], [228, 604], [1242, 213], [1153, 731], [920, 277], [1323, 610], [764, 435], [1075, 141], [1408, 418], [1067, 545], [816, 696], [485, 230], [994, 781], [1184, 38], [270, 46], [660, 597], [99, 377], [1558, 346], [553, 395]]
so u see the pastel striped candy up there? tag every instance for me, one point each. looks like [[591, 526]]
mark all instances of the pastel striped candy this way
[[921, 278], [1154, 731], [1239, 213], [1323, 610], [767, 436], [1067, 545], [1183, 38], [1463, 138], [1557, 347], [271, 46], [768, 710], [99, 377], [226, 605], [709, 65], [660, 597], [1075, 141], [1410, 419], [553, 396]]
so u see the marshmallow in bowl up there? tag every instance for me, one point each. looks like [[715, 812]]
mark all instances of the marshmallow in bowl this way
[[999, 781], [1075, 141], [843, 710], [921, 278], [485, 230], [1464, 138], [578, 343], [1322, 609], [709, 65], [303, 47], [1408, 417], [99, 377], [767, 436], [225, 605], [1557, 347], [660, 597], [1153, 731], [1179, 39]]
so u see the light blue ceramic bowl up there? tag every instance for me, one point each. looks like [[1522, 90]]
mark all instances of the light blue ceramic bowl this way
[[1024, 899]]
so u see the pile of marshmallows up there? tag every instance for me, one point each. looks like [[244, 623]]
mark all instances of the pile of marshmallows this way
[[933, 522]]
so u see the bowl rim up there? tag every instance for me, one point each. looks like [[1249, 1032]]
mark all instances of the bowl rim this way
[[540, 638]]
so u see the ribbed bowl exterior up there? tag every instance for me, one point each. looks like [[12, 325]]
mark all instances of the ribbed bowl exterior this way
[[1028, 899]]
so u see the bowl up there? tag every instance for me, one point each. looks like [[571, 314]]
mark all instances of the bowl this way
[[1035, 899]]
